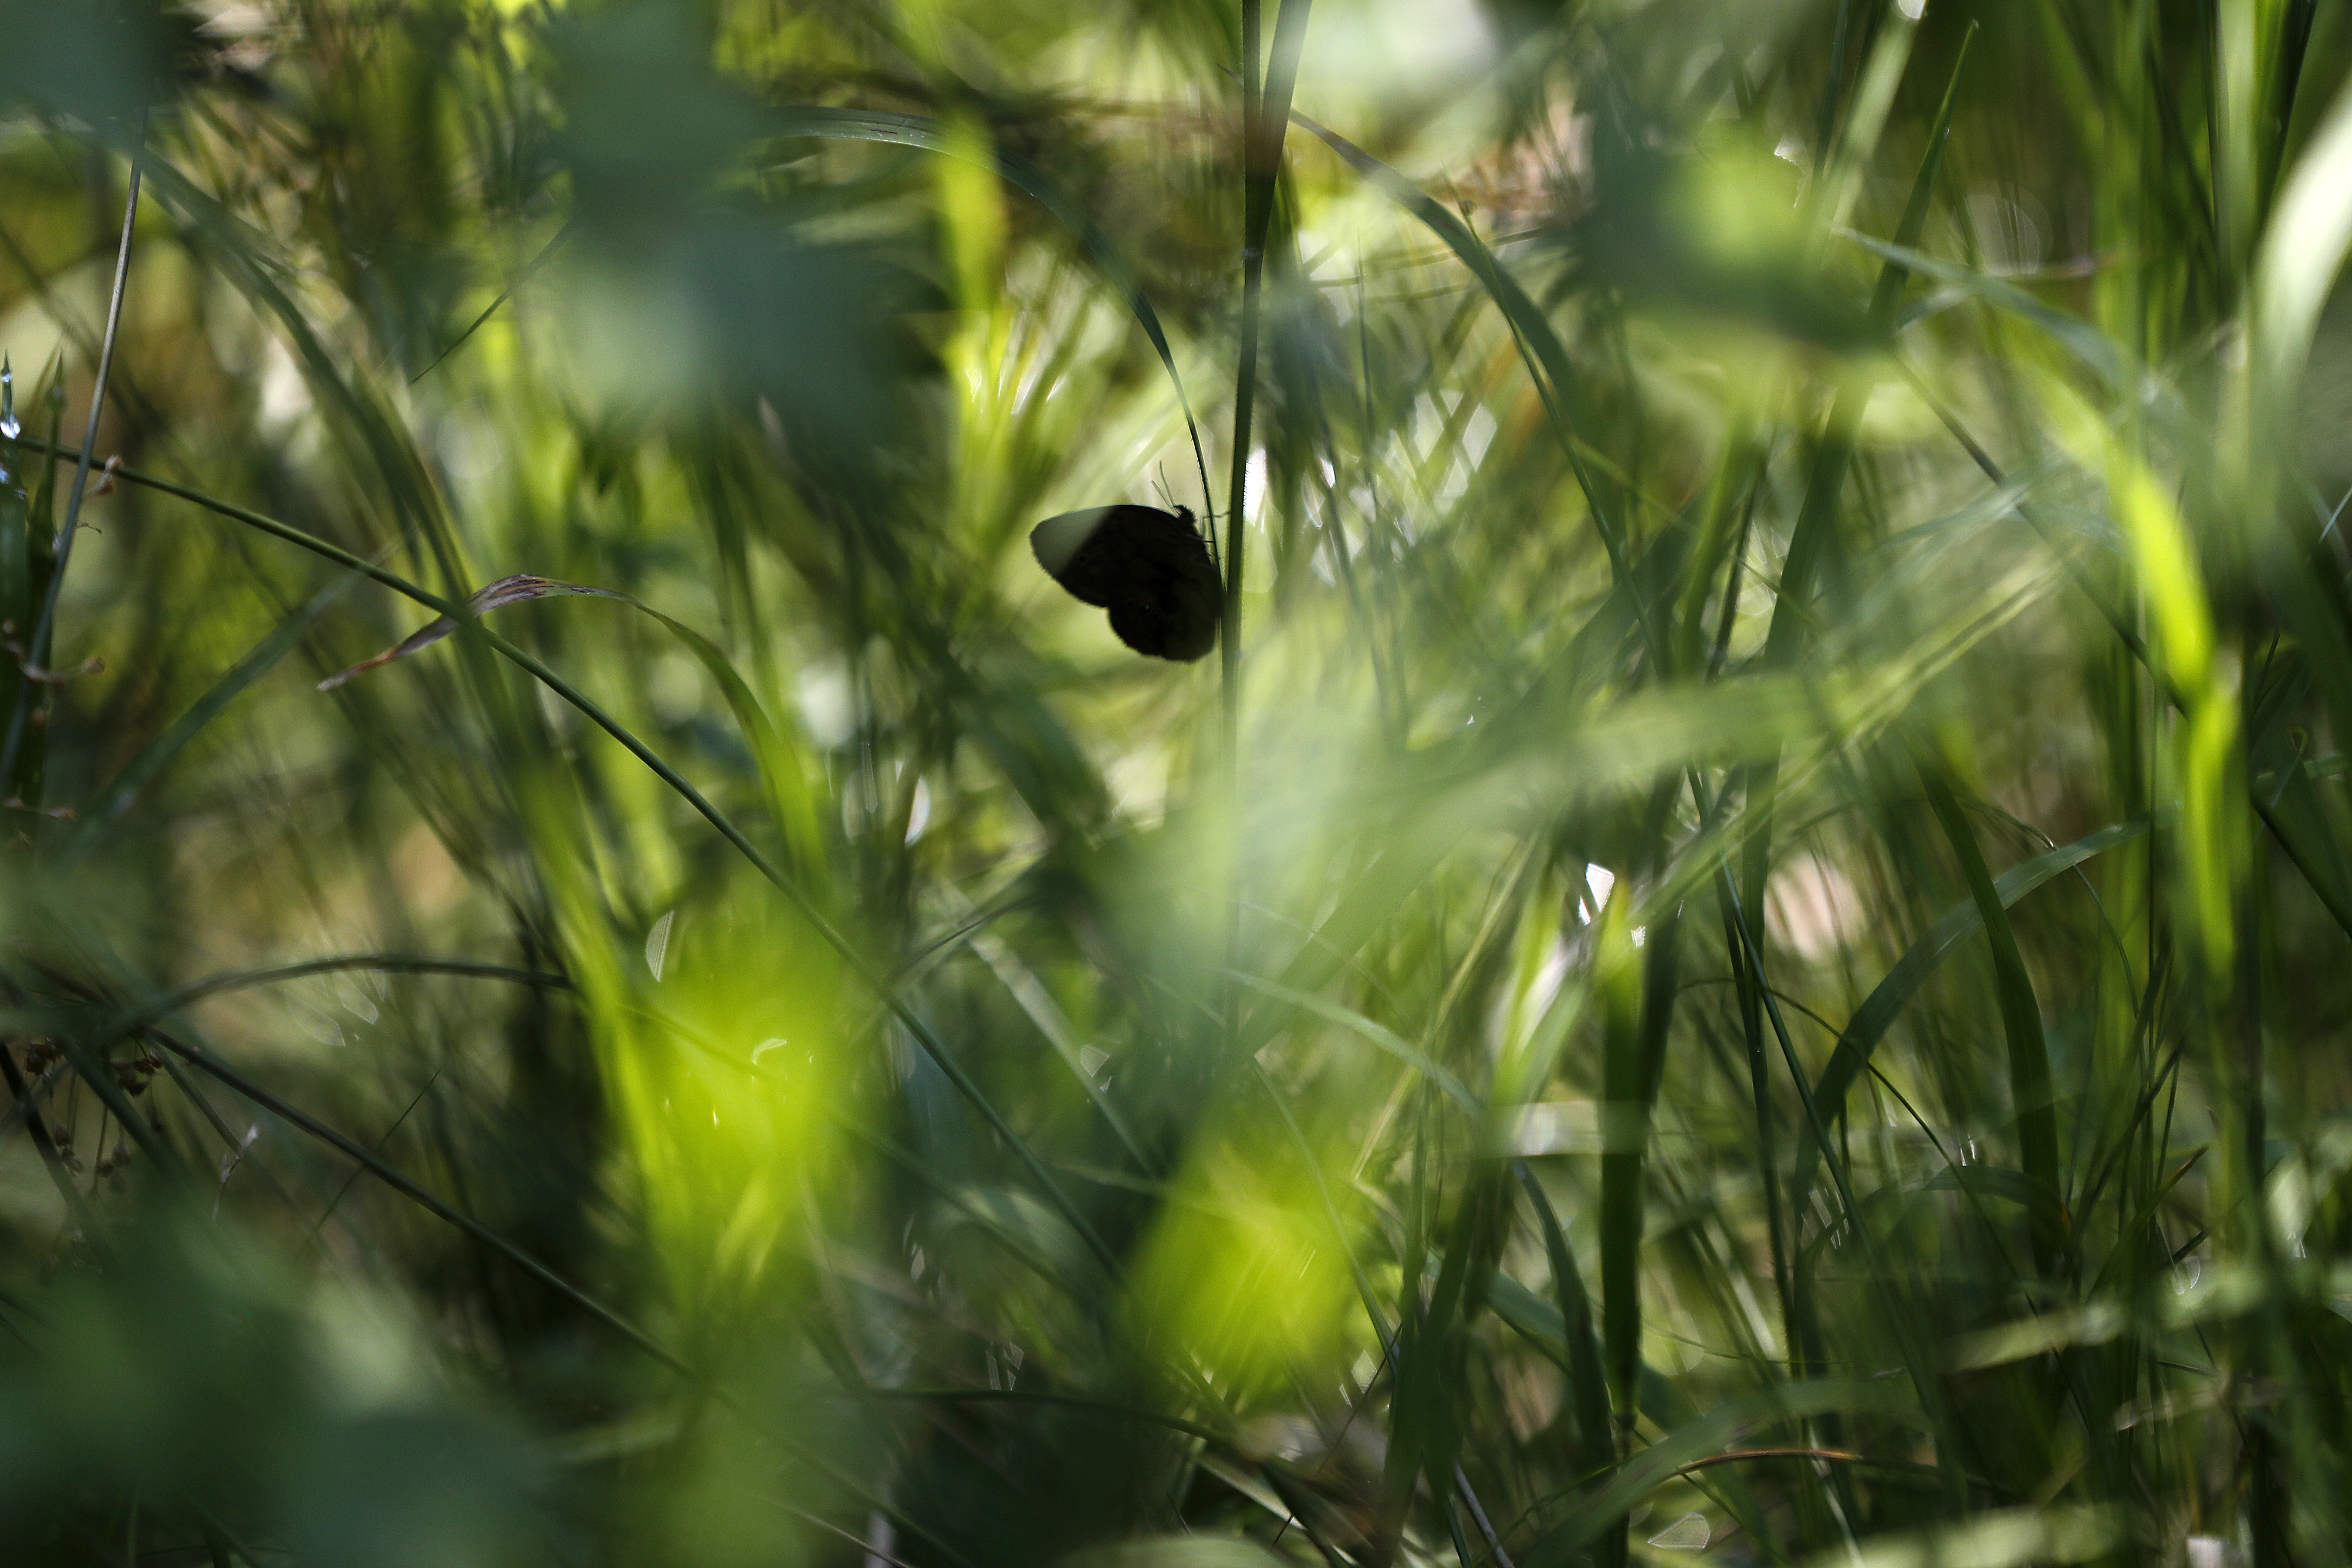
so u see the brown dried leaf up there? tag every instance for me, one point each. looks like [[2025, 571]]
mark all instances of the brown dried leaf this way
[[492, 596]]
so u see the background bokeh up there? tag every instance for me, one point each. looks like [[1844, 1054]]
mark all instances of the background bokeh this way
[[1740, 957]]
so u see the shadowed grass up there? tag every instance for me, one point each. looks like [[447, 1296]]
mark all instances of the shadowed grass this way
[[1738, 959]]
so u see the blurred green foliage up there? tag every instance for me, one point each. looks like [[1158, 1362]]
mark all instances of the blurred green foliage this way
[[1742, 955]]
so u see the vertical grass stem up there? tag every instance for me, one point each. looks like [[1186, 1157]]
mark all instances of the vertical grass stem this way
[[37, 642], [1265, 116]]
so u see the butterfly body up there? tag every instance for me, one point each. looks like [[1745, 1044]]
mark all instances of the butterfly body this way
[[1150, 569]]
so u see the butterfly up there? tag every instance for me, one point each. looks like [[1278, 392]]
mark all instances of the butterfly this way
[[1149, 568]]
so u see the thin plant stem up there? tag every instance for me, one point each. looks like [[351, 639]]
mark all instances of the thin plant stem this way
[[36, 644]]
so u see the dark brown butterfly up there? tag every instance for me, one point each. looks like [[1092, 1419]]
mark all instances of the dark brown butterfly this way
[[1149, 568]]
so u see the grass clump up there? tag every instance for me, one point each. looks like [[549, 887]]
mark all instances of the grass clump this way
[[1740, 952]]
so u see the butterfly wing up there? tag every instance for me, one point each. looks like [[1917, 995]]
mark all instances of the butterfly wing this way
[[1168, 599], [1149, 568], [1061, 545]]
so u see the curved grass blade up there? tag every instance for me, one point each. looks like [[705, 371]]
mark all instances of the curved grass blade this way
[[1596, 1450], [2021, 1022], [529, 271], [787, 790], [1810, 542], [1548, 366], [211, 1066], [1042, 1396], [250, 260], [154, 1011], [868, 974], [1887, 1001], [922, 131], [123, 791], [1816, 525], [393, 1178], [45, 621], [1265, 110], [1385, 1039], [2078, 337], [1635, 1018], [1701, 1439], [1038, 1002], [495, 596]]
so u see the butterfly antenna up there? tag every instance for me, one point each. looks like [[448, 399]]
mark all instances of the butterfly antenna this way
[[1168, 498]]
